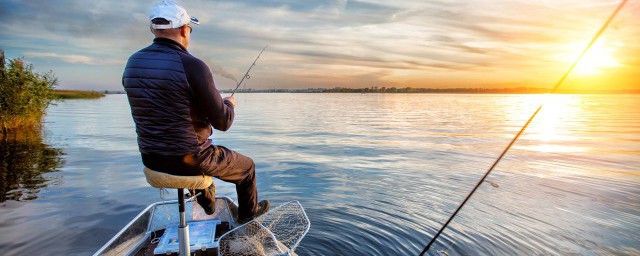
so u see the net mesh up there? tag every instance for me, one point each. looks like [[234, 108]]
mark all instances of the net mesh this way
[[277, 232]]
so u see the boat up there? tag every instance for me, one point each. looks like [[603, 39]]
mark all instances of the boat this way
[[277, 232]]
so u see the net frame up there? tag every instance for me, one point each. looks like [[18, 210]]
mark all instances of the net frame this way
[[277, 232]]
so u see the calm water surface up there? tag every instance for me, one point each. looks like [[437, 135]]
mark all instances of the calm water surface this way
[[377, 173]]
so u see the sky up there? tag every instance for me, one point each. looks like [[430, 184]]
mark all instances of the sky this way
[[325, 44]]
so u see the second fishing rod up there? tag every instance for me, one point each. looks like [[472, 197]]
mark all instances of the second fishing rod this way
[[524, 127]]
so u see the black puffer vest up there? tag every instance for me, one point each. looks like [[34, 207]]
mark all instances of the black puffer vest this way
[[158, 92]]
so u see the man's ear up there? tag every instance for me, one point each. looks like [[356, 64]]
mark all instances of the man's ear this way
[[184, 30]]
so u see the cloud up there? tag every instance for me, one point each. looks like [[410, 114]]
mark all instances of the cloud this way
[[336, 41], [72, 58], [66, 58]]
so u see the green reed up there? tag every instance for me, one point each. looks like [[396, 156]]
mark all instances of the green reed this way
[[74, 94], [24, 94]]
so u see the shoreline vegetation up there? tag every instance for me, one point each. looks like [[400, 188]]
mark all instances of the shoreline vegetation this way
[[25, 95], [75, 94], [520, 90]]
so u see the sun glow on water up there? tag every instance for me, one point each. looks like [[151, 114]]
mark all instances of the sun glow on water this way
[[549, 128]]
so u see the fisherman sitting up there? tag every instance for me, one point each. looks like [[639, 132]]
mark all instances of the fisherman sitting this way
[[175, 106]]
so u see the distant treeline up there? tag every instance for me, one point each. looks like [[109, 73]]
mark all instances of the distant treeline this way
[[520, 90]]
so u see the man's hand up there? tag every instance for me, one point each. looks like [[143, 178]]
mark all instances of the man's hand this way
[[231, 99]]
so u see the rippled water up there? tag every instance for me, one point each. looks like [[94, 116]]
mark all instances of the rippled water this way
[[377, 173]]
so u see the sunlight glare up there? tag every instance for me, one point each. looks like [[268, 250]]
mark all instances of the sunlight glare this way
[[551, 128], [598, 58]]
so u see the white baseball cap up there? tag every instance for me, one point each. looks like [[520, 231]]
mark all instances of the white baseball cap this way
[[174, 13]]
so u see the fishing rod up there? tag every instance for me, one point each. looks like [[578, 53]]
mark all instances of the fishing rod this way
[[555, 88], [246, 75]]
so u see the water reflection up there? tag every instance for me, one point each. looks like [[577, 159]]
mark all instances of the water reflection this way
[[377, 174], [24, 162]]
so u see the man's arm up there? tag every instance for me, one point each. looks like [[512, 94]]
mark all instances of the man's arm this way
[[219, 112]]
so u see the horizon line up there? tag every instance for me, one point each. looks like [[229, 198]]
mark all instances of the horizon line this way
[[373, 89]]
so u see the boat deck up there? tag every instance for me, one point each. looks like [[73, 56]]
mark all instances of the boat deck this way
[[141, 235]]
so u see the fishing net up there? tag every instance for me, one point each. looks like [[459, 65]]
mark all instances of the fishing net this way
[[277, 232]]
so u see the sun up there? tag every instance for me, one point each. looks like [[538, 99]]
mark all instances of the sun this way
[[599, 58]]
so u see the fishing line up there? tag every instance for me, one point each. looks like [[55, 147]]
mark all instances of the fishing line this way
[[245, 90], [555, 88]]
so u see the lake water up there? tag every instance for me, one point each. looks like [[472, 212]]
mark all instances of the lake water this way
[[376, 173]]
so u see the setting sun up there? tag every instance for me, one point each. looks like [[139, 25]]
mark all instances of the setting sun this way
[[596, 60]]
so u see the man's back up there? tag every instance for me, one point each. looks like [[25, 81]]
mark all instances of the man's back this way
[[158, 92], [173, 100]]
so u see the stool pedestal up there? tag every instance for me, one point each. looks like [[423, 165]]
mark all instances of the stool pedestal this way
[[183, 228], [164, 180]]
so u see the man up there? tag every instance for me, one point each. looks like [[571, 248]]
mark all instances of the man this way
[[175, 104]]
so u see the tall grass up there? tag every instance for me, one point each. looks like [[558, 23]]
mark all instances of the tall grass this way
[[74, 94], [24, 94]]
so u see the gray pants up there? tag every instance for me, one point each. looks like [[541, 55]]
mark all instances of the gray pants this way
[[230, 166]]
